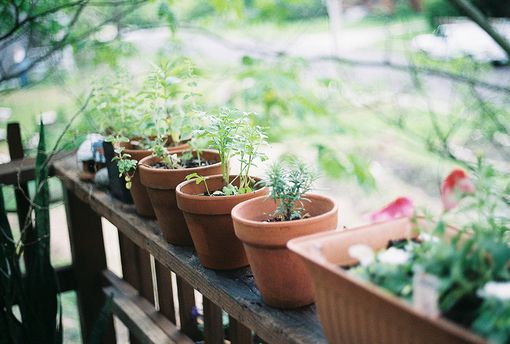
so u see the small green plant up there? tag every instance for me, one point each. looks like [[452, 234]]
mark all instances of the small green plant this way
[[288, 182], [232, 134], [125, 164], [198, 180], [169, 97]]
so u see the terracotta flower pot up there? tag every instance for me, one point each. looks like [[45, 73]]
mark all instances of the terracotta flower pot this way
[[160, 185], [139, 194], [279, 274], [355, 311], [210, 223]]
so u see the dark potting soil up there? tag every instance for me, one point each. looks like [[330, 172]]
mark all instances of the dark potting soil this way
[[283, 219], [190, 163]]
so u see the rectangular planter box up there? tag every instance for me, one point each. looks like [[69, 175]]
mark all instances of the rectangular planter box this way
[[355, 311]]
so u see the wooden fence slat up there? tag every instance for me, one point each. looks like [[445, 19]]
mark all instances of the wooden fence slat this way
[[23, 170], [89, 260], [125, 290], [238, 333], [137, 321], [186, 297], [21, 190], [165, 291], [129, 260], [145, 275], [213, 323]]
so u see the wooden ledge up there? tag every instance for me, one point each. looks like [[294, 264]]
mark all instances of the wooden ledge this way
[[234, 291]]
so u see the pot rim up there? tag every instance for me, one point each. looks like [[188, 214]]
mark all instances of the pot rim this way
[[149, 168], [261, 225], [309, 248], [202, 198]]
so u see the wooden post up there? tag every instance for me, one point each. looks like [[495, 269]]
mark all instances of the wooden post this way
[[213, 323], [165, 292], [238, 333], [186, 297], [129, 261], [21, 191], [89, 260]]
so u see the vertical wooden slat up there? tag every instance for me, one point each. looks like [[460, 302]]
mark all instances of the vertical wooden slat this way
[[145, 275], [129, 258], [129, 261], [165, 292], [238, 333], [89, 260], [186, 297], [213, 323], [21, 191]]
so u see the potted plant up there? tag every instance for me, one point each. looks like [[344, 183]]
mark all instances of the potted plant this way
[[160, 174], [207, 202], [112, 111], [419, 280], [265, 224], [165, 108]]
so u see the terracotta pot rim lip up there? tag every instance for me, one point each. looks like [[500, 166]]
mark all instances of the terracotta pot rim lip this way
[[294, 223], [151, 169], [180, 193]]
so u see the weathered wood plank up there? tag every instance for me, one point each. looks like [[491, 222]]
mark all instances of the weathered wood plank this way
[[234, 291], [238, 333], [89, 260], [165, 292], [213, 323], [23, 170], [129, 261], [145, 272], [186, 298], [168, 328]]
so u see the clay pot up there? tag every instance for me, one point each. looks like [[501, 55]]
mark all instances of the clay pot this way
[[210, 223], [356, 311], [141, 199], [160, 185], [279, 274]]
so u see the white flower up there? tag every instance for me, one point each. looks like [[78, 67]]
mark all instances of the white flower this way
[[393, 256], [497, 290], [424, 236], [363, 253]]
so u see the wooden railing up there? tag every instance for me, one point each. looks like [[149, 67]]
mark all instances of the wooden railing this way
[[144, 296]]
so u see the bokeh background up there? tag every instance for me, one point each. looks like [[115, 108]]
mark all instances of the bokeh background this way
[[383, 96]]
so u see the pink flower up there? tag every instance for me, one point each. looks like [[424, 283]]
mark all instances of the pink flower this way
[[454, 187], [401, 207]]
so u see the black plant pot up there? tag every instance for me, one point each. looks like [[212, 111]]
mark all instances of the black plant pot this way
[[117, 184]]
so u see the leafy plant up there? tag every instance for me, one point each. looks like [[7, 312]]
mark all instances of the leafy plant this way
[[125, 164], [33, 292], [478, 255], [232, 134], [288, 182], [170, 99]]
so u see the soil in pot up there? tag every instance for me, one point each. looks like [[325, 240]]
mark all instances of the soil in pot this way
[[139, 193], [279, 273], [160, 183], [117, 184], [210, 223]]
